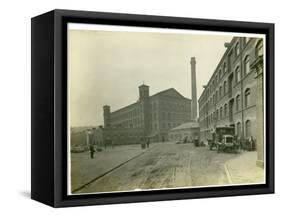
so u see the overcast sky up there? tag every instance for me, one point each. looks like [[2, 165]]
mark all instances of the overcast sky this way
[[107, 67]]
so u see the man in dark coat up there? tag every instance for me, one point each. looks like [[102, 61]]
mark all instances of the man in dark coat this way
[[92, 151]]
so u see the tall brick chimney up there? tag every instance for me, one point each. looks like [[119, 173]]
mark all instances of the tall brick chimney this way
[[193, 89]]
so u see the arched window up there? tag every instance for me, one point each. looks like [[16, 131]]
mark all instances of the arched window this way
[[247, 97], [224, 87], [220, 112], [225, 110], [238, 129], [238, 102], [247, 64], [248, 129], [217, 97], [220, 74], [237, 49], [224, 67], [220, 91], [238, 74], [259, 48]]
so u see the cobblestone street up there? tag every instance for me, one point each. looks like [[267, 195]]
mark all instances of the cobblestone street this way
[[163, 165]]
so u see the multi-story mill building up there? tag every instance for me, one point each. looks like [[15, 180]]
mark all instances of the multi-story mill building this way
[[230, 96], [151, 116]]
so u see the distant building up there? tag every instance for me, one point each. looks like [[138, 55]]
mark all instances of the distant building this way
[[188, 131], [109, 136], [151, 116], [97, 136], [230, 96], [81, 137]]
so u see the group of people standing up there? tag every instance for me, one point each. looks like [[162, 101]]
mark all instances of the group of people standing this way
[[248, 144], [145, 142]]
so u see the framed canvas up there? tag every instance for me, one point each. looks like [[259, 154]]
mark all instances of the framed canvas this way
[[134, 108]]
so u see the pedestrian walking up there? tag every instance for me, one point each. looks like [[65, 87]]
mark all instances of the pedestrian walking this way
[[248, 144], [252, 143], [92, 151], [147, 143]]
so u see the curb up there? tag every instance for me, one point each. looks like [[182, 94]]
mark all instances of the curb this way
[[109, 171]]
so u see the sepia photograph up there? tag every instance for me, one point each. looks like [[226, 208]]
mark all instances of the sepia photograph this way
[[158, 108]]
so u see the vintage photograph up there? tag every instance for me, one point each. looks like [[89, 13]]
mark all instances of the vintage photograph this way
[[155, 109]]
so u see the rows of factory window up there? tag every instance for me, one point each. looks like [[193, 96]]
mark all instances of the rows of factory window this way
[[223, 111], [169, 106], [218, 88]]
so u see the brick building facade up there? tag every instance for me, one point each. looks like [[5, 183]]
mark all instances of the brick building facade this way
[[230, 96], [151, 116]]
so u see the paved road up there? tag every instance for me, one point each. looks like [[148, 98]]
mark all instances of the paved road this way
[[166, 165], [84, 169]]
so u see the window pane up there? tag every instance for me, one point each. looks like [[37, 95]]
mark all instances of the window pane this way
[[259, 48], [238, 74], [247, 65]]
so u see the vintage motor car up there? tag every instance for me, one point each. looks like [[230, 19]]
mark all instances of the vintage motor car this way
[[218, 134], [78, 149], [182, 141], [227, 144]]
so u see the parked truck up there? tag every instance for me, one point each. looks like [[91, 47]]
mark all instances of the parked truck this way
[[223, 139]]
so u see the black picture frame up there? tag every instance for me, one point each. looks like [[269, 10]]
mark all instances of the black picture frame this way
[[49, 107]]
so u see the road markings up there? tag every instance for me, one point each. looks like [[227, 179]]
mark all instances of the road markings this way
[[227, 174]]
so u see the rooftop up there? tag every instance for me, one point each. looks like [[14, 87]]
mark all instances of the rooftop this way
[[171, 92], [187, 125]]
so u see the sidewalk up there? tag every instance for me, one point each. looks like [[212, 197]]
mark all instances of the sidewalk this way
[[243, 169], [84, 169]]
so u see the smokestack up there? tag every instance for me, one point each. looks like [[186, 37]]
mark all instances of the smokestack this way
[[193, 89]]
